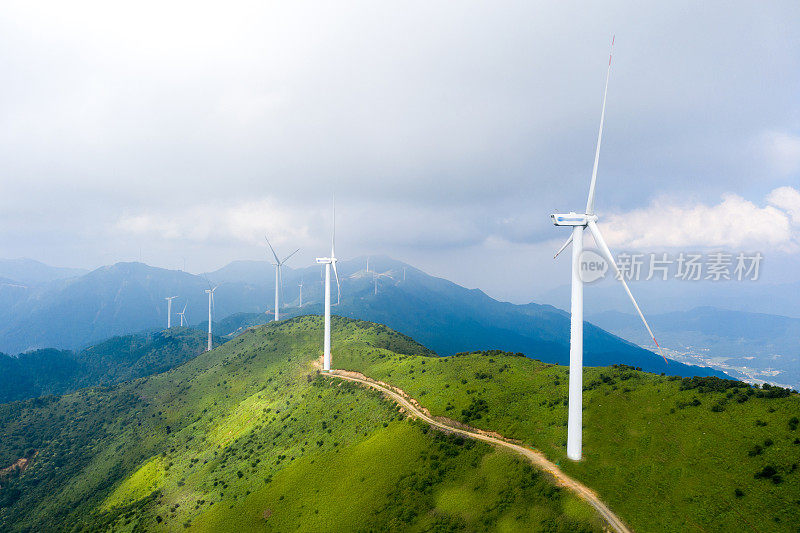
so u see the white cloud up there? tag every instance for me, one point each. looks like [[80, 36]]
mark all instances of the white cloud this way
[[732, 223], [361, 227], [245, 222], [788, 199], [782, 151]]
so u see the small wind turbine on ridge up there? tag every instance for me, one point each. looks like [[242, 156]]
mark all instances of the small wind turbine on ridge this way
[[210, 293], [301, 291], [579, 222], [169, 310], [278, 277], [182, 314], [376, 275]]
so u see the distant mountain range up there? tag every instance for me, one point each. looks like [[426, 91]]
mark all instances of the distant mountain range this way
[[659, 297], [755, 347], [448, 318], [51, 371], [30, 272], [113, 300]]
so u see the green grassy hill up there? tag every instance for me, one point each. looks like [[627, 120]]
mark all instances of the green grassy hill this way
[[667, 454], [250, 437]]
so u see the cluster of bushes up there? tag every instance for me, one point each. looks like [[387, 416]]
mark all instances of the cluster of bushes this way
[[489, 353], [715, 384], [769, 472], [475, 411], [621, 366], [711, 384]]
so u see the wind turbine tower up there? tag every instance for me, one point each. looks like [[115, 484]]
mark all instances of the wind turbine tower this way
[[182, 314], [375, 277], [579, 222], [210, 293], [301, 291], [278, 278], [329, 262], [169, 310]]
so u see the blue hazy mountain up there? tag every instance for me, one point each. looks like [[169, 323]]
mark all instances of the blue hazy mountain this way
[[751, 346], [51, 371], [659, 297], [30, 272], [112, 300], [448, 318]]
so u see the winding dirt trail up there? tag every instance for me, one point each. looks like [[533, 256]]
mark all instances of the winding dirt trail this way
[[537, 458]]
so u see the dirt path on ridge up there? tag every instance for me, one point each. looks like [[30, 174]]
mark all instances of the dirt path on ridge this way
[[416, 410]]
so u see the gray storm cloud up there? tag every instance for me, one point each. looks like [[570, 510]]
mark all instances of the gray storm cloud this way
[[446, 131]]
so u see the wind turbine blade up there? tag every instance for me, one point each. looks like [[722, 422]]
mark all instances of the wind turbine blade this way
[[184, 307], [590, 201], [333, 238], [601, 243], [338, 287], [290, 255], [273, 250], [569, 241]]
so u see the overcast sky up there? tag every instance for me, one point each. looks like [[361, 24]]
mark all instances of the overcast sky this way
[[449, 132]]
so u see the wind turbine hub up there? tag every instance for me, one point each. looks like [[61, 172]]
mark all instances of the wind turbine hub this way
[[572, 219]]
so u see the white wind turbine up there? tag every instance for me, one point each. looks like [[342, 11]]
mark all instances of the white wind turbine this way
[[210, 293], [182, 314], [579, 222], [301, 291], [169, 310], [328, 262], [376, 275], [278, 278]]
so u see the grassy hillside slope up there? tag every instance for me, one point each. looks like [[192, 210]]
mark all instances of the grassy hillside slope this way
[[249, 437], [666, 454]]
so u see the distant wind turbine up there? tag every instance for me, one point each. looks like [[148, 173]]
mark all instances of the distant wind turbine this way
[[169, 310], [182, 314], [210, 293], [328, 262], [375, 277], [579, 222], [301, 291], [278, 278]]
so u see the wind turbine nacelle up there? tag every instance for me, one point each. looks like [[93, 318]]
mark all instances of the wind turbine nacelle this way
[[323, 260], [571, 219]]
